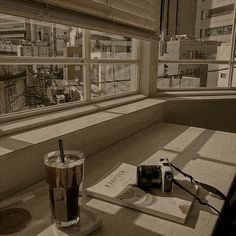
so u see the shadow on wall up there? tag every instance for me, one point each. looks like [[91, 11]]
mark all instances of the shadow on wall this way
[[210, 114]]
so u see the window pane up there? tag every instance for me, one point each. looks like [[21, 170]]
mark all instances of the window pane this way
[[24, 87], [234, 77], [105, 45], [174, 75], [111, 79], [196, 29], [26, 37]]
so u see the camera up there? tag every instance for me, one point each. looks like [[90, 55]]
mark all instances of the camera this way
[[156, 176]]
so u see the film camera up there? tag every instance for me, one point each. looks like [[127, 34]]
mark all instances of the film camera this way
[[152, 176]]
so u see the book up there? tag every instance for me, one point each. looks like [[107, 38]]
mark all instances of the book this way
[[120, 187]]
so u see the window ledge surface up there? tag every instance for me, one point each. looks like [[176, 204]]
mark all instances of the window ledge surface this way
[[10, 127], [102, 112], [198, 95], [25, 132]]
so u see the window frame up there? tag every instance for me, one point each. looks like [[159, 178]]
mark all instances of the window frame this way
[[231, 62], [85, 61]]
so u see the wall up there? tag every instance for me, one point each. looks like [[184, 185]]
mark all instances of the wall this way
[[211, 114]]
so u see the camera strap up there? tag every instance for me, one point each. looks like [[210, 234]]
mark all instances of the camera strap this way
[[202, 202], [207, 187]]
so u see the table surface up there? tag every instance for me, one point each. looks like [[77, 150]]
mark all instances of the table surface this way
[[207, 155]]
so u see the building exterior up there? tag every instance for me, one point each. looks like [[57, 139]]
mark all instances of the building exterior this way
[[212, 27], [14, 28], [174, 15], [214, 20], [173, 20], [12, 94], [186, 75], [111, 79]]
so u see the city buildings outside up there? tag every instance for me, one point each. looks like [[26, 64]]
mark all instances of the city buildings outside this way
[[30, 86], [186, 75], [214, 19], [212, 28]]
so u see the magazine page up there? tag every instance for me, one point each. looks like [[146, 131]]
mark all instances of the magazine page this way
[[120, 187], [115, 182]]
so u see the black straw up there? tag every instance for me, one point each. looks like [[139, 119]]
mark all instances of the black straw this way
[[61, 151]]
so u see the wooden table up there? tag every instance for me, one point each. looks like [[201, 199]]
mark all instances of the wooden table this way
[[206, 154]]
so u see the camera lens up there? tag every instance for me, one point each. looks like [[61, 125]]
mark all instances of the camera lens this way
[[148, 176]]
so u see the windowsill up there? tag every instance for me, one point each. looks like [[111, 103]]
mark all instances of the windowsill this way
[[29, 131], [37, 120], [21, 133], [198, 95]]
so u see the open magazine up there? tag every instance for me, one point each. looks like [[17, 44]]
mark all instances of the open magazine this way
[[120, 187]]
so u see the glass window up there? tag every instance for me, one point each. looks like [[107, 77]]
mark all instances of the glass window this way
[[105, 45], [202, 15], [200, 33], [111, 79], [208, 39], [31, 86], [59, 73], [223, 10], [173, 75], [26, 37], [220, 30]]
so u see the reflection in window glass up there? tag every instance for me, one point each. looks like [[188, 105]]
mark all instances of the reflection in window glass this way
[[25, 37], [104, 45], [25, 87], [111, 79], [192, 75]]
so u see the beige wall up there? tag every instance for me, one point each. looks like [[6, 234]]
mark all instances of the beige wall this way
[[211, 114]]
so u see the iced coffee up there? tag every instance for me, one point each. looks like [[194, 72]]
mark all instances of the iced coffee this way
[[64, 178]]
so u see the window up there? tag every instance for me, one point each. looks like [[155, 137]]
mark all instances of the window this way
[[223, 75], [200, 35], [224, 10], [197, 53], [220, 30], [51, 64], [202, 15]]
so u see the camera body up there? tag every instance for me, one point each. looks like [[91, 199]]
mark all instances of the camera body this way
[[152, 176]]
